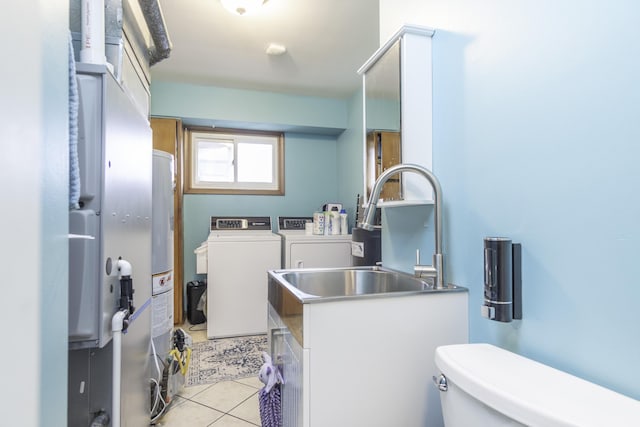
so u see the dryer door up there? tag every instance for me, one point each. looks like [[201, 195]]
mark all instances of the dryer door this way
[[319, 255]]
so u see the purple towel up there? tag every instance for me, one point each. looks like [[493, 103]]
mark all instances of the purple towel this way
[[270, 395], [270, 409]]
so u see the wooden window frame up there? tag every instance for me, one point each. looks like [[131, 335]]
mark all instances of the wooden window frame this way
[[189, 159]]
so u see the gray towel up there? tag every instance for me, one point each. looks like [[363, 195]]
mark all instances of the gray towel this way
[[74, 167]]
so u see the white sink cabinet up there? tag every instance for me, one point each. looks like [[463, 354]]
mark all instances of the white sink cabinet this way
[[364, 362]]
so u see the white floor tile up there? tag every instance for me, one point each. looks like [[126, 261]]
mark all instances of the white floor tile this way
[[248, 410], [198, 335], [251, 381], [190, 414], [224, 396], [177, 401], [229, 421], [189, 392]]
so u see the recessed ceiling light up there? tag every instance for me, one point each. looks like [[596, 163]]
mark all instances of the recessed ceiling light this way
[[242, 7], [275, 49]]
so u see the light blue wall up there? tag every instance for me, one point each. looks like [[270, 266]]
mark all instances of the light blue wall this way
[[536, 136], [315, 151], [406, 230], [350, 164], [249, 109], [34, 173], [55, 215]]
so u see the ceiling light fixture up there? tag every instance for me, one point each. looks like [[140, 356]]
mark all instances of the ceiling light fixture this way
[[275, 49], [242, 7]]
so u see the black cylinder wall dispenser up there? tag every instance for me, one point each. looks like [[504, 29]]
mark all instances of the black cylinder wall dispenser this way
[[502, 280]]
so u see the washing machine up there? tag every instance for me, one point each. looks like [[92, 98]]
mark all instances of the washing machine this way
[[240, 251], [303, 250]]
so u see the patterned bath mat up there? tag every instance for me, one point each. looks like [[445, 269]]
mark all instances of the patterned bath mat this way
[[226, 359]]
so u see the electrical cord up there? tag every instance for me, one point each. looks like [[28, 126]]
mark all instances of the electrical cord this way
[[192, 328], [158, 398], [178, 361], [155, 353], [183, 361]]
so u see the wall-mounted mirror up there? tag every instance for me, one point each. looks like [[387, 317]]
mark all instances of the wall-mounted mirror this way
[[397, 113], [382, 92], [382, 109]]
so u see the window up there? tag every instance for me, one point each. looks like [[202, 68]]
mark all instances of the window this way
[[234, 162]]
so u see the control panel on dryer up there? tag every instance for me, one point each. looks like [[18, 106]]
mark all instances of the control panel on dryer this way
[[293, 223]]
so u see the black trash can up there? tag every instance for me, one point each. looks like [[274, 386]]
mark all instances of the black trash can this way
[[195, 289]]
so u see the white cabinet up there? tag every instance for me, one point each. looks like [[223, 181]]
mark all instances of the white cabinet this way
[[288, 354], [363, 362], [397, 99]]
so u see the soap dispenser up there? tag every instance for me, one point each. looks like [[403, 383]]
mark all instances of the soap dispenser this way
[[502, 280]]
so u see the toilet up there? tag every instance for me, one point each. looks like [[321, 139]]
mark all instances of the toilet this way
[[483, 385]]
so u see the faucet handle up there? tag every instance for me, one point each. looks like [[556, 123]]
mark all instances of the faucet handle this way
[[424, 270]]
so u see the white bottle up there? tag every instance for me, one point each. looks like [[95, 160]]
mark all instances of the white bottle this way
[[318, 223], [334, 221], [327, 223], [344, 225]]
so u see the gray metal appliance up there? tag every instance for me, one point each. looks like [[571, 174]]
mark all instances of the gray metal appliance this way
[[162, 253], [112, 226]]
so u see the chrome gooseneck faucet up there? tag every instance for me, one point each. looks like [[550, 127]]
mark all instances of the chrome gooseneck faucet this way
[[437, 269]]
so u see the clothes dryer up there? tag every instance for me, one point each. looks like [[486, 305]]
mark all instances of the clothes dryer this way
[[303, 250]]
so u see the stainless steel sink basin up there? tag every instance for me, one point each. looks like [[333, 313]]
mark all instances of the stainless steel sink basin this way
[[329, 284], [292, 290], [338, 283]]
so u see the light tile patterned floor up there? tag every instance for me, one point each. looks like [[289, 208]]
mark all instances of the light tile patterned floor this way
[[223, 404]]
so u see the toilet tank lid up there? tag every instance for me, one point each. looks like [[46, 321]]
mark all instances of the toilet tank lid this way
[[530, 392]]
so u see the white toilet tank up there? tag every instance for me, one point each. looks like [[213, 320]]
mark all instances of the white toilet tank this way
[[489, 386]]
